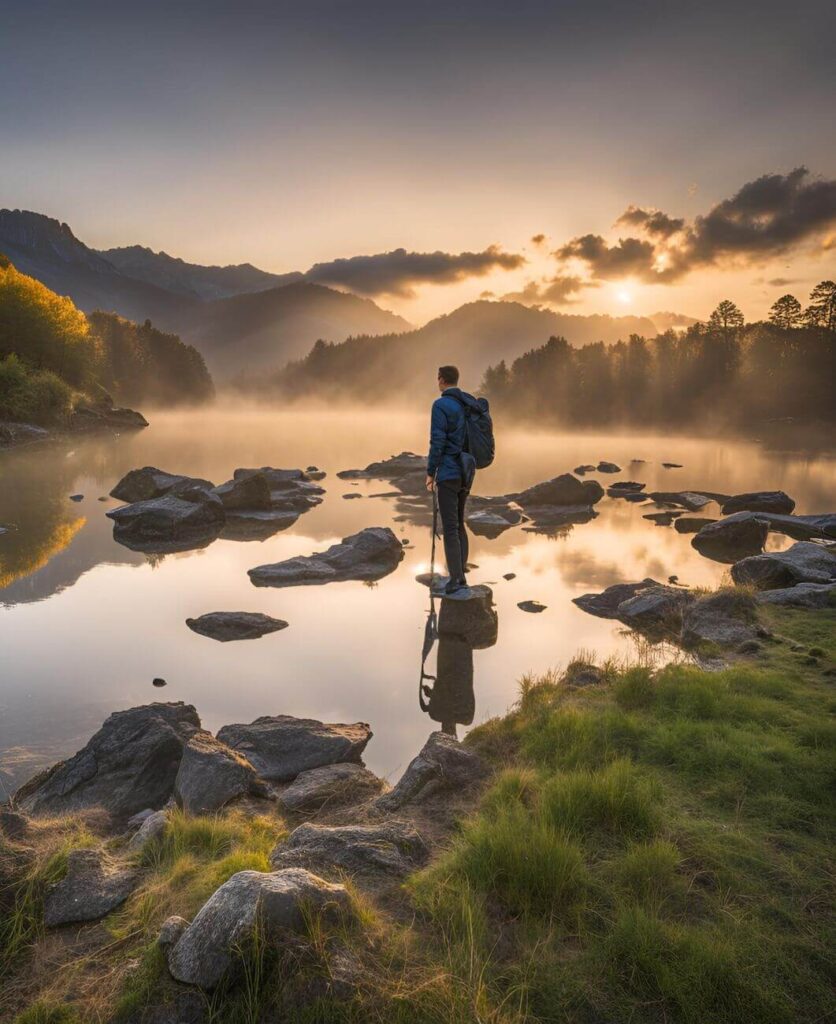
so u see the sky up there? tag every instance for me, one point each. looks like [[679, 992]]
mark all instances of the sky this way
[[428, 154]]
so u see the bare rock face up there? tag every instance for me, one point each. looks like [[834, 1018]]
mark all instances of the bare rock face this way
[[760, 501], [280, 747], [605, 605], [331, 785], [736, 536], [279, 902], [802, 595], [804, 562], [226, 626], [149, 482], [211, 774], [726, 618], [93, 886], [130, 764], [443, 763], [393, 847], [370, 554]]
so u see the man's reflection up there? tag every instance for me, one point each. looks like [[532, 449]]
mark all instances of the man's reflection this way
[[461, 627]]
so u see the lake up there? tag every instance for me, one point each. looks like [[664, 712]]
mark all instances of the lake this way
[[86, 624]]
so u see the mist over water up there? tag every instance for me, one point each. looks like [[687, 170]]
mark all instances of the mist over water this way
[[86, 624]]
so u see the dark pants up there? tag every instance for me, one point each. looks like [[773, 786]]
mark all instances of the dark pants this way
[[452, 498]]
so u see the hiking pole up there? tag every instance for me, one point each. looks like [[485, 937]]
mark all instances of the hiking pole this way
[[431, 625]]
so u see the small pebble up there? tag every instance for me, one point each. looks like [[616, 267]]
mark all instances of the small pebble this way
[[348, 497], [158, 682], [76, 497], [531, 606], [509, 576]]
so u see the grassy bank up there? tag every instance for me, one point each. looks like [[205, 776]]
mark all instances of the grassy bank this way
[[655, 848]]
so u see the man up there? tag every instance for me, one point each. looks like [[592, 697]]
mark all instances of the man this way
[[450, 473]]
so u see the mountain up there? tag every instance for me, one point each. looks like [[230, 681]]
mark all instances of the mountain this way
[[472, 337], [47, 250], [192, 279], [265, 329]]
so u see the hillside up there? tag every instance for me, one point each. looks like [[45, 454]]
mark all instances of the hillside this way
[[192, 279], [472, 337]]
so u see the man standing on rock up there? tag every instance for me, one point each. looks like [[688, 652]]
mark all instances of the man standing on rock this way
[[450, 472]]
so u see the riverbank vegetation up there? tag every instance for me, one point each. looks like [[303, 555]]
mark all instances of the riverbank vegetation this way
[[53, 357], [654, 848]]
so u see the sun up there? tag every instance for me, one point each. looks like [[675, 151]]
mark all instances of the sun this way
[[624, 296]]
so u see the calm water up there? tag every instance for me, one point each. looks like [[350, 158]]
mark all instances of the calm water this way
[[86, 624]]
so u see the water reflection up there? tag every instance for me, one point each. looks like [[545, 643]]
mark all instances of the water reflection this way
[[461, 626]]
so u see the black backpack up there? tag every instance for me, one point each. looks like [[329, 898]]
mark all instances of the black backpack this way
[[478, 426]]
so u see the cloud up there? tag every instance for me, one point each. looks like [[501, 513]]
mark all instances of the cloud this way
[[765, 218], [399, 271], [782, 282], [559, 290], [538, 239]]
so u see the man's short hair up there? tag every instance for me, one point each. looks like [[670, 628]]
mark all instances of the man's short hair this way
[[449, 374]]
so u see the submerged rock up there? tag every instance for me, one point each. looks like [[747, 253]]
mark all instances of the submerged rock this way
[[280, 902], [394, 847], [280, 747], [370, 554], [759, 501], [605, 605], [804, 562], [334, 784], [662, 518], [92, 887], [443, 763], [546, 518], [226, 626], [149, 482], [743, 533], [255, 524], [129, 765]]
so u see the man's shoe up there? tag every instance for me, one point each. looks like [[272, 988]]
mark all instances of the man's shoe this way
[[455, 587]]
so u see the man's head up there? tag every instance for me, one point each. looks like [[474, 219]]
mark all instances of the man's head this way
[[448, 377]]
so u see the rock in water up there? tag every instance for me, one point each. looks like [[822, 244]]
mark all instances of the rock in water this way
[[804, 562], [246, 492], [211, 774], [691, 524], [280, 902], [334, 784], [129, 765], [170, 522], [149, 482], [280, 747], [531, 606], [443, 763], [608, 467], [693, 501], [732, 538], [655, 610], [226, 626], [605, 605], [727, 618], [93, 886], [473, 618], [760, 501], [562, 490], [370, 554], [394, 847]]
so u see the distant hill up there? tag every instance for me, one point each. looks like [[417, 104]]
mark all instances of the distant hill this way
[[473, 337], [251, 333], [192, 279], [677, 321]]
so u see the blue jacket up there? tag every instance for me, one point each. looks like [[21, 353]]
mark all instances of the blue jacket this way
[[447, 436]]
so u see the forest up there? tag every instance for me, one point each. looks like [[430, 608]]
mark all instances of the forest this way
[[724, 372], [53, 356]]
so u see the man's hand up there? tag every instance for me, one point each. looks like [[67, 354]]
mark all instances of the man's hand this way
[[430, 483]]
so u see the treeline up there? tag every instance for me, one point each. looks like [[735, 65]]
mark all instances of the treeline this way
[[52, 356], [724, 371]]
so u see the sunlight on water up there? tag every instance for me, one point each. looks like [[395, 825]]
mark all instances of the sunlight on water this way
[[86, 624]]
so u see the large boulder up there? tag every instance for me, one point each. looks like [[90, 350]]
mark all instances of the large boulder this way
[[394, 847], [605, 605], [804, 562], [802, 595], [129, 765], [93, 886], [211, 774], [472, 617], [370, 554], [442, 764], [252, 491], [562, 490], [169, 522], [821, 526], [331, 785], [760, 501], [279, 902], [149, 482], [655, 610], [727, 618], [226, 626], [280, 747], [736, 536]]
